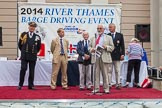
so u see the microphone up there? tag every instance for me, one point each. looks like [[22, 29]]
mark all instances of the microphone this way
[[95, 35]]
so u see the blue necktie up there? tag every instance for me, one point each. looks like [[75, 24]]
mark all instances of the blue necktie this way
[[62, 49], [86, 46], [113, 35]]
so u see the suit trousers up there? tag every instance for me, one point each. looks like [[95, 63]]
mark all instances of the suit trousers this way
[[24, 65], [104, 68], [116, 66], [85, 75], [62, 63]]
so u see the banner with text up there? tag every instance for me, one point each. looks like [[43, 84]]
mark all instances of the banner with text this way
[[74, 18]]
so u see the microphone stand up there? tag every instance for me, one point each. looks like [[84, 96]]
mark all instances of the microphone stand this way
[[94, 73], [49, 52]]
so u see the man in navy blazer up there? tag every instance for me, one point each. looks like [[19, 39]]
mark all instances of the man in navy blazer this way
[[84, 60], [29, 45], [118, 52]]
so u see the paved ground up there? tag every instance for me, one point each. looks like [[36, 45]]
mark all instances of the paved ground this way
[[81, 103]]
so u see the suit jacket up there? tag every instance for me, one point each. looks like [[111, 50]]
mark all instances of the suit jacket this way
[[29, 47], [56, 49], [81, 51], [106, 54], [119, 46]]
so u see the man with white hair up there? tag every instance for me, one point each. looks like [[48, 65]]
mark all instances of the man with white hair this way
[[84, 62], [117, 54], [103, 62]]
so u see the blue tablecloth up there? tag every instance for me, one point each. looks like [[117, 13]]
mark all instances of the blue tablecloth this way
[[72, 73]]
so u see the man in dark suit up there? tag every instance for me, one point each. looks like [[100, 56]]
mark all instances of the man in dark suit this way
[[118, 52], [29, 45], [84, 61]]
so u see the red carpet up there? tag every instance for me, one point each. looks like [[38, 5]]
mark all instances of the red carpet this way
[[44, 92]]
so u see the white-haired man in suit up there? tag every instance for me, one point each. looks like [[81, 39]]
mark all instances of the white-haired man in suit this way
[[104, 62]]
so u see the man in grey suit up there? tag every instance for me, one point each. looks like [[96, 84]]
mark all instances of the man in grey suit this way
[[104, 62]]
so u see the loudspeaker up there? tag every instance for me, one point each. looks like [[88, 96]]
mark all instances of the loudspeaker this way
[[0, 36], [142, 32]]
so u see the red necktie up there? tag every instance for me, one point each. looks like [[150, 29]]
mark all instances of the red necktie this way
[[98, 39]]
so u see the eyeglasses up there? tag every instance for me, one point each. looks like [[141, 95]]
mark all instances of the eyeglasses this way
[[99, 28]]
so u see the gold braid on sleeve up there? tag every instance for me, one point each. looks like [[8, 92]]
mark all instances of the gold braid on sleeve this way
[[23, 39]]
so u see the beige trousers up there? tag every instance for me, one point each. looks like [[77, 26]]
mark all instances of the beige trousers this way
[[116, 65], [104, 68], [55, 69]]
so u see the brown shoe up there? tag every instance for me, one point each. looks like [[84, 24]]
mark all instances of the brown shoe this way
[[65, 88], [53, 87]]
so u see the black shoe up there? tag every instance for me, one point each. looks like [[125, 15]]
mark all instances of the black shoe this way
[[138, 86], [126, 86], [31, 88], [19, 88], [89, 88], [118, 87], [81, 89]]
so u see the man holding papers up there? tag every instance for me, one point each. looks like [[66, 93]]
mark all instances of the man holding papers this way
[[102, 61]]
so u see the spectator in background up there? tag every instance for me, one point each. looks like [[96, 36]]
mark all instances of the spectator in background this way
[[84, 60], [117, 54], [135, 53]]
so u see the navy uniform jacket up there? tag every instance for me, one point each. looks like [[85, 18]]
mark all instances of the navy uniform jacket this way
[[29, 47], [81, 51], [119, 47]]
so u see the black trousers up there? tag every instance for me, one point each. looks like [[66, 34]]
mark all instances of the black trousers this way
[[24, 65], [133, 64]]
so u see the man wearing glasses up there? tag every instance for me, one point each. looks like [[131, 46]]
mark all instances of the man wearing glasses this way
[[103, 62]]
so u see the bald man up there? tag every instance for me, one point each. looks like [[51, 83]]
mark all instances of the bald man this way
[[104, 62], [118, 52]]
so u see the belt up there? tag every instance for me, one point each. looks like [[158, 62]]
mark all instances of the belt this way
[[62, 54]]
